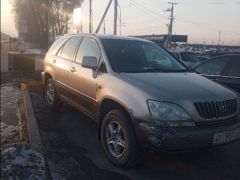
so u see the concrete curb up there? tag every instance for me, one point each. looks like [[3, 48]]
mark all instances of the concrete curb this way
[[32, 126], [35, 140]]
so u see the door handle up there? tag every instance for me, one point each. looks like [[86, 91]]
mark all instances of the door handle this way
[[73, 69]]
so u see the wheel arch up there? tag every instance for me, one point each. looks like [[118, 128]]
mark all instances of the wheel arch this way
[[47, 76], [106, 106], [49, 73]]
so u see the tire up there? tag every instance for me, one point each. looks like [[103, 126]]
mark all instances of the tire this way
[[119, 141], [50, 95]]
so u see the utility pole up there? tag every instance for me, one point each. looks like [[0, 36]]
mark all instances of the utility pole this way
[[170, 25], [219, 40], [104, 26], [90, 16], [115, 17], [103, 17]]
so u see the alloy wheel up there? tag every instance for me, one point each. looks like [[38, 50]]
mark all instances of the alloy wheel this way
[[115, 139], [50, 93]]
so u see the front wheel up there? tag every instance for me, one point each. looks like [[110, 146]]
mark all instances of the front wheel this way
[[118, 139], [51, 96]]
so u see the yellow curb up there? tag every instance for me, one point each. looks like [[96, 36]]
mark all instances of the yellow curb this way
[[32, 85]]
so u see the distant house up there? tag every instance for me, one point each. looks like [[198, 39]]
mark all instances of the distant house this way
[[5, 37], [8, 43]]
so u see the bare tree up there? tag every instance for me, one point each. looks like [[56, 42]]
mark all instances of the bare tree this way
[[61, 12], [43, 18]]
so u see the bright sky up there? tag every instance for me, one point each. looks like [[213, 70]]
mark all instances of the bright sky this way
[[7, 18], [200, 20]]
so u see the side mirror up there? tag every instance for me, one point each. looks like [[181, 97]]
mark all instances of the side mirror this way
[[89, 62]]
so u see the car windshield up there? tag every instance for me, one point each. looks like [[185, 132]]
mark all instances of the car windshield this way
[[132, 56]]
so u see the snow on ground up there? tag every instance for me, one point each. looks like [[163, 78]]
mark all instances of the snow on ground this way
[[8, 133], [9, 122], [18, 161], [21, 162], [9, 95]]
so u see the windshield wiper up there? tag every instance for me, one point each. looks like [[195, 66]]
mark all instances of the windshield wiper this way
[[162, 70], [155, 70]]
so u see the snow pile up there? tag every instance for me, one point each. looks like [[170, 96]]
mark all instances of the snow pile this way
[[21, 162], [8, 132], [9, 95]]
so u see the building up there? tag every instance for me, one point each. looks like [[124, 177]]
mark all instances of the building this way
[[161, 39]]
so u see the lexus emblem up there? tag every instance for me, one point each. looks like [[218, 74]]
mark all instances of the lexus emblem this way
[[222, 109]]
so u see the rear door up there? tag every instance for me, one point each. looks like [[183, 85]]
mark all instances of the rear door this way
[[83, 80], [63, 65]]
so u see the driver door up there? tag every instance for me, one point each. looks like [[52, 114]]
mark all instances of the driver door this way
[[83, 80]]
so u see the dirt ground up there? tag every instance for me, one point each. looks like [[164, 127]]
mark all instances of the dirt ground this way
[[18, 160], [19, 77], [10, 93]]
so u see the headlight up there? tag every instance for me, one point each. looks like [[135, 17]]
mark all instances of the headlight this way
[[167, 111], [239, 105], [169, 114]]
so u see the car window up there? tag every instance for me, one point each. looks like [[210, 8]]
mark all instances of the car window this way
[[59, 52], [189, 57], [57, 43], [212, 67], [88, 47], [234, 69], [70, 48]]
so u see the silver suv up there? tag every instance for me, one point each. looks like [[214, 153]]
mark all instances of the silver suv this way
[[141, 97]]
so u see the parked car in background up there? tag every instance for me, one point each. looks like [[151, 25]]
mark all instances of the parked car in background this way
[[188, 58], [142, 98], [201, 56], [222, 69]]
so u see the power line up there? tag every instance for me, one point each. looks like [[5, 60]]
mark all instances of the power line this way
[[182, 19], [156, 15], [146, 9]]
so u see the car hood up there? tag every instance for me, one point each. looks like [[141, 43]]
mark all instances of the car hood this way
[[175, 87]]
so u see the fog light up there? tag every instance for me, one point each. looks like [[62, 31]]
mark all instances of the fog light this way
[[155, 141], [150, 128]]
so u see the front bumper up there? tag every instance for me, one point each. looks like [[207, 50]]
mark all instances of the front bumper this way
[[152, 137]]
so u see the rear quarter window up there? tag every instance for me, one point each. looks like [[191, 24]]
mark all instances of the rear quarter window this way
[[57, 44], [69, 49]]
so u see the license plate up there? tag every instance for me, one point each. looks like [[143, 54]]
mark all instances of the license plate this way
[[225, 137]]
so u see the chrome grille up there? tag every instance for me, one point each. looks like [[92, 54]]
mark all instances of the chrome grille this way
[[217, 109]]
